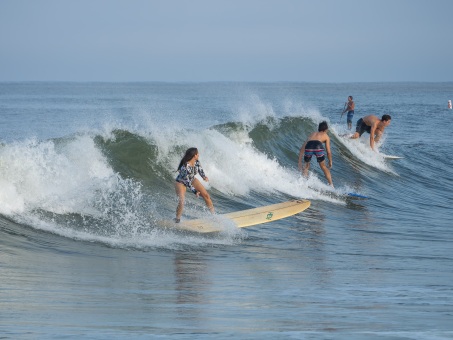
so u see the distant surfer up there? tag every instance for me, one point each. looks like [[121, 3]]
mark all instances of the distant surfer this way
[[374, 126], [314, 147], [350, 110], [188, 168]]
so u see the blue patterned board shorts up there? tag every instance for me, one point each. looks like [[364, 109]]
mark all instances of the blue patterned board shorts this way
[[314, 148], [350, 115]]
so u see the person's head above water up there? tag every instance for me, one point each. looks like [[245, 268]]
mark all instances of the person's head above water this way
[[323, 126]]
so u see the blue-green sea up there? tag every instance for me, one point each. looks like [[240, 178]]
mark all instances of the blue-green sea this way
[[87, 172]]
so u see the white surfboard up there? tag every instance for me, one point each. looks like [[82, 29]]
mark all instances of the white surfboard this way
[[242, 219], [390, 156]]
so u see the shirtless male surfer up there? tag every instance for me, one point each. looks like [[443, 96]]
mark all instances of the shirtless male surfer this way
[[373, 125], [350, 109], [313, 146]]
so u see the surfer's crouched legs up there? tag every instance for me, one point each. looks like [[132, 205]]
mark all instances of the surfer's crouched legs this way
[[181, 193]]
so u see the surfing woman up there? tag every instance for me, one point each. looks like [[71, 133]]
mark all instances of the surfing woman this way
[[188, 168]]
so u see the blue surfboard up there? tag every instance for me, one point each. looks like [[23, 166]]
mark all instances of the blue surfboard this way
[[355, 195]]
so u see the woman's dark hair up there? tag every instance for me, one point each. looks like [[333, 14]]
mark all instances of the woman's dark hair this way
[[190, 153]]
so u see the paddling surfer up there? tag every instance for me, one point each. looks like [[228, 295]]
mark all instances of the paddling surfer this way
[[188, 168], [374, 126], [314, 147]]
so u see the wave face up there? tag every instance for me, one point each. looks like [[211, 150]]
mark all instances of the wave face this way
[[118, 184], [113, 181]]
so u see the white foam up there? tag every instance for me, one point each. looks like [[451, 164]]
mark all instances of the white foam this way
[[361, 149], [59, 178], [235, 167], [10, 200]]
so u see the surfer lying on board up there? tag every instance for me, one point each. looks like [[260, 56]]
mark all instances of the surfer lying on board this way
[[313, 146], [374, 126], [188, 168]]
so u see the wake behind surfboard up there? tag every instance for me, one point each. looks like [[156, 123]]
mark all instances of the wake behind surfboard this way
[[242, 219], [354, 195], [345, 139], [390, 156]]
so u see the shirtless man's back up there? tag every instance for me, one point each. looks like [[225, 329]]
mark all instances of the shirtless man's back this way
[[313, 146]]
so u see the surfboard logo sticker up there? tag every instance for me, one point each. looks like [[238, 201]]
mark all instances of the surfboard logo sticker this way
[[269, 216]]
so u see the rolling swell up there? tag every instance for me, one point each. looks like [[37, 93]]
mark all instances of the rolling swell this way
[[284, 138], [118, 184], [131, 156], [278, 138], [281, 139]]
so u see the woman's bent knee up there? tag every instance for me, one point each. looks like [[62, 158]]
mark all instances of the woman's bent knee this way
[[206, 196]]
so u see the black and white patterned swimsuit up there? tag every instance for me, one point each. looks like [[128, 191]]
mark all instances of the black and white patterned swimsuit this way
[[187, 174]]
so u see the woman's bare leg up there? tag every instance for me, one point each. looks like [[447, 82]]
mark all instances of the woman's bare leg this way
[[197, 185], [181, 193]]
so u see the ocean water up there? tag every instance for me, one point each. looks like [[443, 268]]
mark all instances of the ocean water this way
[[87, 171]]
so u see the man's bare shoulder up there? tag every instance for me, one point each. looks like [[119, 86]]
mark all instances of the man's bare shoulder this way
[[321, 136], [325, 137]]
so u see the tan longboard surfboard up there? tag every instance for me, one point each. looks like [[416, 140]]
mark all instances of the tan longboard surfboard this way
[[242, 219]]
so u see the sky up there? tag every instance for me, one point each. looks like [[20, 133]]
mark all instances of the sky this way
[[226, 40]]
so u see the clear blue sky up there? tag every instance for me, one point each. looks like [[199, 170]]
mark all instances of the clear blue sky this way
[[226, 40]]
